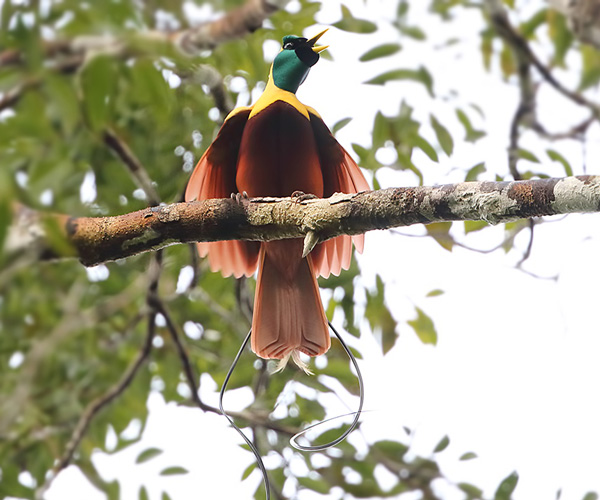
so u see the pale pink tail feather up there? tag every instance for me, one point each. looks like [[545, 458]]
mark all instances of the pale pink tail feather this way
[[336, 254], [288, 312]]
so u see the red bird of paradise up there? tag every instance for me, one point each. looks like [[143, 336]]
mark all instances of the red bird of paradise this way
[[277, 147]]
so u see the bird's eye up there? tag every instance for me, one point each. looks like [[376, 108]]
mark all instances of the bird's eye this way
[[288, 46]]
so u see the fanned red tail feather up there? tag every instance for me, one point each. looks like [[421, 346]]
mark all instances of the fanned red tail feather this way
[[288, 312]]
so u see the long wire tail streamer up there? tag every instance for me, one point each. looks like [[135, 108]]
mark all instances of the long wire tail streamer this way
[[293, 440], [253, 448], [320, 447]]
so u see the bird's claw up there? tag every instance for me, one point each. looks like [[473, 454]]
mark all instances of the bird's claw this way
[[239, 197], [300, 196]]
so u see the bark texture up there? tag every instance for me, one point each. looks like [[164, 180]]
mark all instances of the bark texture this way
[[99, 239]]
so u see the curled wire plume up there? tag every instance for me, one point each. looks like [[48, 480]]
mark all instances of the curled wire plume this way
[[321, 447], [259, 461], [293, 440]]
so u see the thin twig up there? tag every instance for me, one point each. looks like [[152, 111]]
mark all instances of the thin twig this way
[[195, 264], [51, 48], [527, 253], [95, 406], [243, 298], [252, 418], [514, 39], [12, 96], [223, 313], [98, 404], [183, 356], [133, 164], [575, 132]]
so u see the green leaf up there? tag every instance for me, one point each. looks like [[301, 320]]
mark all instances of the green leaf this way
[[473, 493], [381, 130], [508, 63], [353, 24], [413, 32], [442, 445], [62, 100], [524, 154], [475, 171], [391, 449], [361, 151], [383, 50], [528, 28], [150, 87], [147, 454], [317, 485], [487, 47], [590, 74], [340, 370], [248, 470], [440, 232], [556, 156], [469, 455], [143, 494], [591, 496], [472, 134], [311, 409], [5, 219], [561, 35], [474, 225], [427, 148], [435, 293], [331, 434], [165, 496], [337, 126], [424, 327], [420, 75], [173, 471], [98, 81], [442, 134], [379, 316], [506, 487]]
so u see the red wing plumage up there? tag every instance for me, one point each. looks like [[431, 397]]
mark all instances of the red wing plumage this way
[[214, 177], [277, 153], [340, 175]]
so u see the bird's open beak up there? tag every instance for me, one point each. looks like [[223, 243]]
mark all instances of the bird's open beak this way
[[313, 40]]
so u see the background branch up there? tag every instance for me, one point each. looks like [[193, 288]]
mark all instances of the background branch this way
[[516, 41]]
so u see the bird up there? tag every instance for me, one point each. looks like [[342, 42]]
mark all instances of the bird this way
[[279, 147]]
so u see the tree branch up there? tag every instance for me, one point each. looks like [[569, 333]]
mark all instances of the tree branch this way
[[232, 25], [505, 29], [235, 24], [135, 167], [100, 239], [68, 55]]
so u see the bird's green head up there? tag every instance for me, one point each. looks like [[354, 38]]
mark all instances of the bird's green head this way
[[292, 64]]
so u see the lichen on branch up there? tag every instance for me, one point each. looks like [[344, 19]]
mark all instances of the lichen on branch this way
[[100, 239]]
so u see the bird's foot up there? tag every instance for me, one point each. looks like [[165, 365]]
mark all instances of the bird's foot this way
[[300, 196], [239, 197]]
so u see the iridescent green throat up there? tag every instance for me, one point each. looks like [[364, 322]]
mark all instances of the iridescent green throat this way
[[293, 63]]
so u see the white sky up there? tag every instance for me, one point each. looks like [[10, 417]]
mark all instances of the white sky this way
[[515, 376]]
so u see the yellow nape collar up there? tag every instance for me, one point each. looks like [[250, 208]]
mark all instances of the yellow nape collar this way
[[273, 93]]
